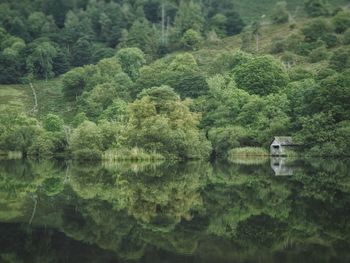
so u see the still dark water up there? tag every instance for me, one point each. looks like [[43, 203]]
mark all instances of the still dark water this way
[[246, 211]]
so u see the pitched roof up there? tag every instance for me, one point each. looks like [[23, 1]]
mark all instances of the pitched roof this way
[[284, 140]]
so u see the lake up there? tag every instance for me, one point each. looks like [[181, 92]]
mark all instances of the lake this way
[[249, 210]]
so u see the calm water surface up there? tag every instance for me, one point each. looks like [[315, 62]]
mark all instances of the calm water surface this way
[[251, 210]]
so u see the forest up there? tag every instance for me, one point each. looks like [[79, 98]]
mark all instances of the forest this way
[[172, 79]]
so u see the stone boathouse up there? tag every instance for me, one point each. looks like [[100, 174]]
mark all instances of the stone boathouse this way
[[280, 145]]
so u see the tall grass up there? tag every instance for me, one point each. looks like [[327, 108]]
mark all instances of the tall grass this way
[[248, 151], [249, 160], [134, 154], [11, 155]]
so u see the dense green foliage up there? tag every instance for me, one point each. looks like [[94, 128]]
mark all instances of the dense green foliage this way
[[128, 95], [45, 38]]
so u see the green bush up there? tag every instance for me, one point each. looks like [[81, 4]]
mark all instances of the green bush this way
[[227, 61], [280, 13], [316, 7], [86, 141], [53, 123], [43, 146], [87, 154], [315, 29], [325, 73], [278, 45], [341, 21], [225, 138], [340, 60], [331, 40], [318, 54], [262, 76], [300, 73], [191, 39], [305, 48]]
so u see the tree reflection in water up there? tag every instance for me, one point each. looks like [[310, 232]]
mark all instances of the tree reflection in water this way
[[188, 212]]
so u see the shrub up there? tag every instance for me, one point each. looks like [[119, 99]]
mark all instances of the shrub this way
[[131, 60], [262, 76], [315, 29], [191, 39], [228, 61], [53, 123], [294, 41], [300, 73], [86, 141], [278, 45], [331, 40], [305, 48], [225, 138], [280, 13], [324, 73], [317, 7], [318, 54], [87, 154], [341, 21], [340, 59]]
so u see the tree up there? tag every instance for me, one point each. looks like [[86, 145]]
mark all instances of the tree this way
[[191, 39], [159, 121], [262, 76], [189, 16], [181, 73], [340, 60], [218, 23], [280, 13], [141, 35], [81, 52], [11, 68], [318, 54], [341, 21], [226, 138], [61, 62], [316, 7], [40, 62], [86, 141], [53, 123], [234, 23], [17, 131], [73, 83], [316, 29], [131, 60], [58, 9], [36, 22]]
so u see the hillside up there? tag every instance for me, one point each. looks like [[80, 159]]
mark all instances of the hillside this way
[[51, 99], [203, 92], [251, 10], [49, 96]]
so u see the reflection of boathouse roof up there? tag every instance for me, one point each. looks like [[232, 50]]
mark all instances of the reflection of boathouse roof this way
[[284, 140]]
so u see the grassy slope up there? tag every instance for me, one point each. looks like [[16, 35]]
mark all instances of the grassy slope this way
[[49, 95], [251, 10], [16, 96], [270, 32]]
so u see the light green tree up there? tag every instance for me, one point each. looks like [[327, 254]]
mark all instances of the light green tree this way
[[131, 60]]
